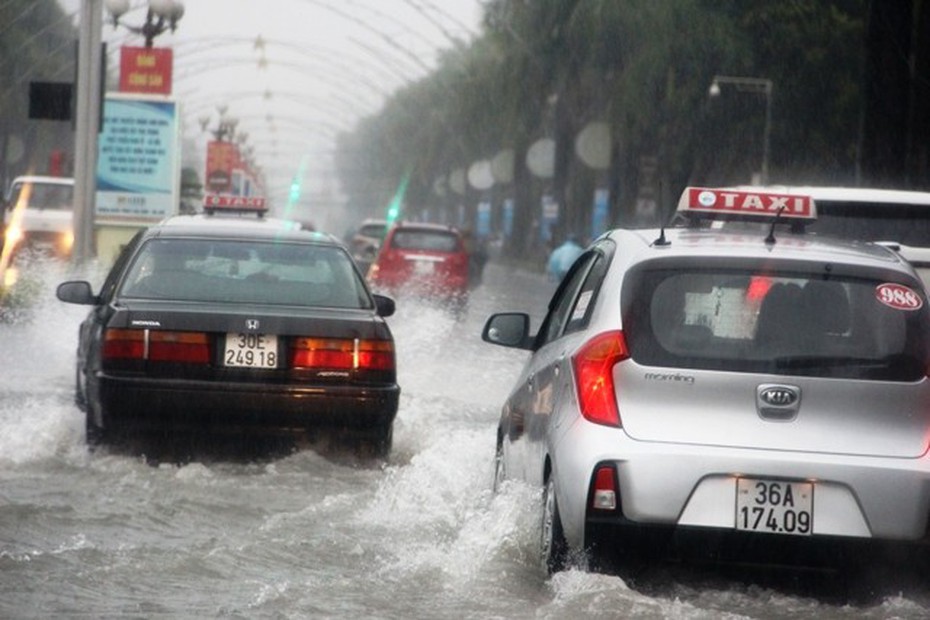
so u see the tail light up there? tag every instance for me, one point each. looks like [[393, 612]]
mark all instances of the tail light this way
[[342, 354], [156, 346], [594, 377], [604, 493], [758, 288]]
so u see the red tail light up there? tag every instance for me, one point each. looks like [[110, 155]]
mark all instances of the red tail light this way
[[604, 495], [342, 354], [156, 346], [758, 288], [594, 377], [189, 347], [124, 344]]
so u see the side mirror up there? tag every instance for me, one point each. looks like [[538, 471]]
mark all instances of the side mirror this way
[[508, 329], [77, 292], [384, 305]]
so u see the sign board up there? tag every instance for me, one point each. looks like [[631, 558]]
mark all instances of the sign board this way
[[222, 157], [238, 203], [138, 163], [550, 217], [746, 203], [145, 70], [507, 217], [52, 101], [599, 212]]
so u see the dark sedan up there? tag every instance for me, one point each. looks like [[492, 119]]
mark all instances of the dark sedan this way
[[235, 325]]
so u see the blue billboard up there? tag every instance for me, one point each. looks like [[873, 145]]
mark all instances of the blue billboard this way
[[138, 167]]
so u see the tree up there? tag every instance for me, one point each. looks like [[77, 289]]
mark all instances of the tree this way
[[36, 44]]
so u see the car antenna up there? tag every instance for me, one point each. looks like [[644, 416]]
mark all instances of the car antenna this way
[[770, 240], [662, 241]]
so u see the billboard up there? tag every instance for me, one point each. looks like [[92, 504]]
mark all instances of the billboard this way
[[138, 162], [145, 70]]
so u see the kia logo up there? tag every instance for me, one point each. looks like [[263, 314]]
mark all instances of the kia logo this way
[[778, 402], [251, 324], [779, 396]]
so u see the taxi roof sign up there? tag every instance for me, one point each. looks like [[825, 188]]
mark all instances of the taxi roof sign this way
[[213, 203], [704, 201]]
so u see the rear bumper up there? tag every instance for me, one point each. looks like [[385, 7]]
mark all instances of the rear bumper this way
[[136, 404], [685, 487]]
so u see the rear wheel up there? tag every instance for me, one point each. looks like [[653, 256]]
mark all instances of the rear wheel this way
[[378, 445], [94, 435], [553, 547], [80, 390]]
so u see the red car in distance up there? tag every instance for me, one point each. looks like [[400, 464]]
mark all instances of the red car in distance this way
[[427, 261]]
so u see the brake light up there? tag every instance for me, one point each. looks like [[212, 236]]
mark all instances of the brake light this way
[[124, 344], [594, 378], [604, 495], [758, 288], [342, 354], [156, 346], [191, 347]]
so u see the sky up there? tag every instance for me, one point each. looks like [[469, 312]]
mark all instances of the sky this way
[[295, 72]]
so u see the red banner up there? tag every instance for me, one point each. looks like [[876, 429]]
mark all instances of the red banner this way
[[145, 70], [221, 159]]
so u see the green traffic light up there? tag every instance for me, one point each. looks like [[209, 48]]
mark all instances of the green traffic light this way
[[394, 208]]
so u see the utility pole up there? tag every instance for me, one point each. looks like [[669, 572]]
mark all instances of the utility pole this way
[[87, 126]]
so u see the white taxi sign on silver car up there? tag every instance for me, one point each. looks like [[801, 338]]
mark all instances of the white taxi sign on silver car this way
[[702, 200]]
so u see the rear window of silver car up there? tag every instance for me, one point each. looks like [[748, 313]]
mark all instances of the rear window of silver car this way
[[780, 323], [245, 272]]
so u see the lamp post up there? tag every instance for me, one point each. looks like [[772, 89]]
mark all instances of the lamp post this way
[[87, 124], [761, 86], [225, 130], [162, 15]]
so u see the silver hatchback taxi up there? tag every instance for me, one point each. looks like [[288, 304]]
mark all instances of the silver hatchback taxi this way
[[743, 385]]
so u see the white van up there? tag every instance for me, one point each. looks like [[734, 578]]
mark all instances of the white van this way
[[896, 218], [38, 214]]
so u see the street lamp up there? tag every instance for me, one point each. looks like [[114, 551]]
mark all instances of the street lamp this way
[[225, 130], [162, 15], [761, 86]]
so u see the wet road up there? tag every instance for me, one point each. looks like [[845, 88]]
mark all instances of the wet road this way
[[316, 533]]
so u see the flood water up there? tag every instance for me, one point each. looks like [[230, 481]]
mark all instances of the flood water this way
[[315, 533]]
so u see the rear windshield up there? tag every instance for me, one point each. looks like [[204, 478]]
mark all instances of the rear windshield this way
[[245, 272], [432, 240], [906, 224], [373, 230], [54, 196], [780, 323]]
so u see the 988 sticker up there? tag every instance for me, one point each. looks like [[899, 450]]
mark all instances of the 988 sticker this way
[[898, 296]]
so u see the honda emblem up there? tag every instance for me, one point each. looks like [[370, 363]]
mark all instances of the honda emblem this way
[[251, 324]]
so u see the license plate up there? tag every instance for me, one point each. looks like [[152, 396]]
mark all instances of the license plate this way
[[423, 268], [251, 350], [775, 506]]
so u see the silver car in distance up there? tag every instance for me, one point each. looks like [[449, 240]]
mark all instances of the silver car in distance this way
[[738, 388]]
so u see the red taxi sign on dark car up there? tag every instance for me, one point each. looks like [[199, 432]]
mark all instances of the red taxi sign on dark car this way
[[754, 204], [241, 204]]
